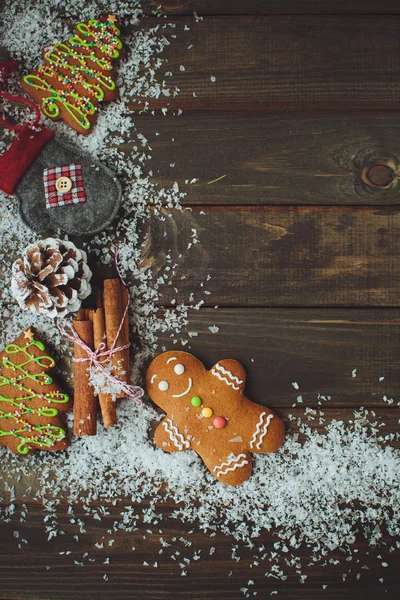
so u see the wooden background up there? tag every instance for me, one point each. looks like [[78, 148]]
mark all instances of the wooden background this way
[[302, 242]]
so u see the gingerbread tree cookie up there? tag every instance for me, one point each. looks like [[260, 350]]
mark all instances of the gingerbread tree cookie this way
[[207, 412], [77, 74], [30, 401]]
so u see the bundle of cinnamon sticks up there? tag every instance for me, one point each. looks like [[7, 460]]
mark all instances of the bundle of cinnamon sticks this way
[[96, 326]]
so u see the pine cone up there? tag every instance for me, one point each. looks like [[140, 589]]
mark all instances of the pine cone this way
[[51, 278]]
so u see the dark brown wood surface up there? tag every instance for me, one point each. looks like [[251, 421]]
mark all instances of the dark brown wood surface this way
[[279, 256], [272, 7], [283, 63], [278, 159], [301, 243], [50, 575]]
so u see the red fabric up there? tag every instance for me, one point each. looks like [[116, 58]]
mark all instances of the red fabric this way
[[20, 155], [25, 147], [76, 195]]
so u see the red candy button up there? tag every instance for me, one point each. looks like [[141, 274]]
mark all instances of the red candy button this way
[[220, 422]]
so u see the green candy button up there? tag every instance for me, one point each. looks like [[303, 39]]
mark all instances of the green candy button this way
[[196, 401]]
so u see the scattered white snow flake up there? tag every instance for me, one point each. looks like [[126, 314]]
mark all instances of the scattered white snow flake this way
[[213, 328], [387, 400], [295, 385], [354, 373]]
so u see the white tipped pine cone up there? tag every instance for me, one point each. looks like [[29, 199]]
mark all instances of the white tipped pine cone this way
[[51, 278]]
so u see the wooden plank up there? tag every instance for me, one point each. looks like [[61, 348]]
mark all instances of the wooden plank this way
[[278, 256], [328, 352], [263, 64], [284, 159], [272, 7], [42, 570]]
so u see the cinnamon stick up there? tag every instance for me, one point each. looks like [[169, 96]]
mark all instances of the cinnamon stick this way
[[85, 403], [115, 299], [125, 302], [107, 404]]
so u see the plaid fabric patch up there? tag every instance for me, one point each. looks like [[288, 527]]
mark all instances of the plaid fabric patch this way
[[76, 194]]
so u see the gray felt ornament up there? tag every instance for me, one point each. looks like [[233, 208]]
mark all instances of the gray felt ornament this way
[[96, 196]]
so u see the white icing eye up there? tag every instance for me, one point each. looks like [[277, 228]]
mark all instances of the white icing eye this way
[[163, 386], [179, 369]]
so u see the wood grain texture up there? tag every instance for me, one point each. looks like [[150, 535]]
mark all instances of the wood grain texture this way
[[276, 159], [278, 256], [42, 570], [264, 64], [272, 7], [319, 349]]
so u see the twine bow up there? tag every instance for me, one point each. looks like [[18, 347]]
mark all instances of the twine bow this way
[[95, 358]]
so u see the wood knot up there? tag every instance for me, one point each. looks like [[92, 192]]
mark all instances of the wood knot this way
[[379, 175]]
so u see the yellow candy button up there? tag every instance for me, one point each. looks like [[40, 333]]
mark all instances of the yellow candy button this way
[[207, 412]]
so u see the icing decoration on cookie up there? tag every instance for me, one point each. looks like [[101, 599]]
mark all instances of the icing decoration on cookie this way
[[27, 398], [261, 430], [226, 376], [101, 34], [176, 437], [217, 415], [84, 62], [189, 387], [233, 463]]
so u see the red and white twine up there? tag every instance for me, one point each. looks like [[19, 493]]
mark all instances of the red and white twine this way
[[100, 358]]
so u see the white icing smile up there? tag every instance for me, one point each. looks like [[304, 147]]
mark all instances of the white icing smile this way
[[186, 391]]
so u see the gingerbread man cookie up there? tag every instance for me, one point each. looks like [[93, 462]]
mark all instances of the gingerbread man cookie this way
[[207, 412]]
